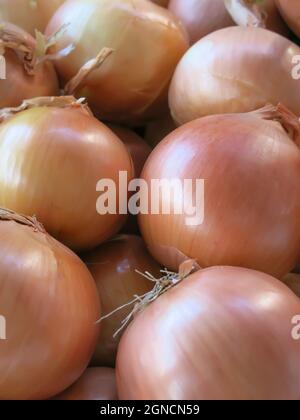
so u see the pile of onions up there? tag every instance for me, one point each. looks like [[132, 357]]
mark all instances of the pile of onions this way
[[24, 76], [290, 10], [113, 267], [201, 17], [292, 280], [53, 153], [223, 333], [147, 40], [50, 304], [251, 170], [138, 149], [96, 384], [229, 71], [29, 15]]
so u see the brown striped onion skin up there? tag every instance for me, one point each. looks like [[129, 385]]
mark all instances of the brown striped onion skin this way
[[201, 17], [292, 280], [51, 161], [29, 15], [138, 149], [223, 333], [50, 304], [290, 10], [132, 84], [229, 71], [251, 171], [113, 266], [96, 384]]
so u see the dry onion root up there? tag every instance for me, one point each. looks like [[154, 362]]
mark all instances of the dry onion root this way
[[54, 171], [50, 304]]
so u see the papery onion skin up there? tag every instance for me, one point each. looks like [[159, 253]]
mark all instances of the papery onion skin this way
[[51, 305], [290, 10], [292, 280], [224, 333], [51, 161], [113, 267], [227, 72], [96, 384], [251, 171], [201, 17], [29, 15], [137, 147], [132, 84]]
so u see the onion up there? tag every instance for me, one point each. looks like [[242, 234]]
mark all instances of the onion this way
[[157, 130], [50, 304], [292, 280], [25, 76], [223, 333], [52, 156], [290, 10], [137, 147], [29, 15], [147, 41], [201, 17], [251, 170], [113, 267], [95, 384], [228, 71]]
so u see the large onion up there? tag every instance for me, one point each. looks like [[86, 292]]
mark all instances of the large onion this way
[[251, 170], [29, 14], [223, 333], [50, 304], [51, 160], [113, 267], [148, 42], [95, 384], [229, 71], [290, 10], [201, 17], [24, 76]]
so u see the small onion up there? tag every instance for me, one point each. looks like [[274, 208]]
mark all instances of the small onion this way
[[290, 10], [137, 147], [251, 170], [51, 159], [147, 40], [113, 267], [223, 333], [29, 14], [23, 76], [229, 71], [50, 304], [201, 17], [96, 384]]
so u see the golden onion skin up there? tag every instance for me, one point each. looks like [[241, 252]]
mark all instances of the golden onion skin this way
[[51, 306], [290, 10], [235, 70], [132, 84], [51, 161]]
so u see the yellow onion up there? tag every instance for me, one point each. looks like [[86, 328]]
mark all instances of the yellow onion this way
[[224, 333], [53, 153], [251, 170], [25, 76], [292, 280], [50, 305], [229, 71], [201, 17], [147, 43], [96, 384], [29, 14], [113, 266], [290, 10]]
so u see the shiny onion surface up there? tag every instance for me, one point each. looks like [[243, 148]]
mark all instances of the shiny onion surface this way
[[229, 71], [223, 333], [147, 40]]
